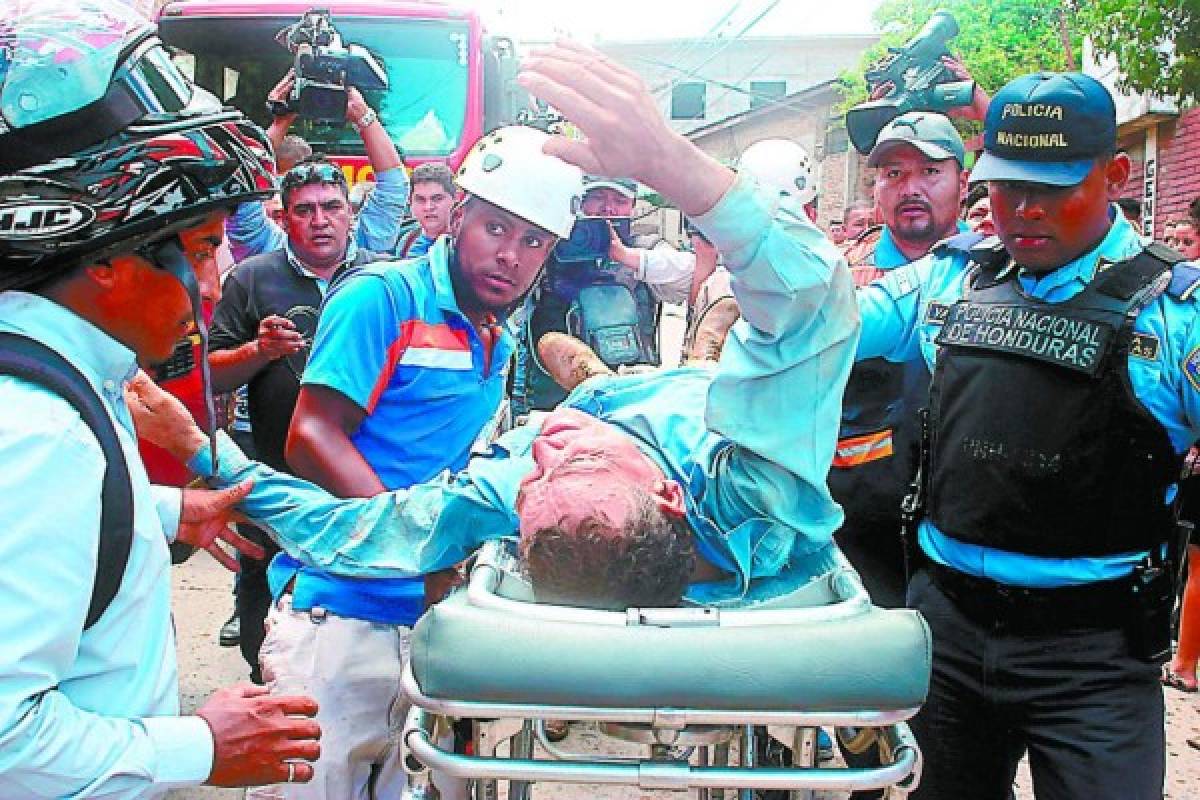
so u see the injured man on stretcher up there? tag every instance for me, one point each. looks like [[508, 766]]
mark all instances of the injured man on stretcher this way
[[700, 482]]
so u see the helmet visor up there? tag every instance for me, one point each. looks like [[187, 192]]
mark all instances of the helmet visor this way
[[34, 89]]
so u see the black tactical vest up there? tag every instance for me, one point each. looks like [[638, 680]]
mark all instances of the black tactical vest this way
[[1039, 445], [877, 439]]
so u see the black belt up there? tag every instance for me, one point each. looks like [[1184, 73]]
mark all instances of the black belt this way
[[1101, 604]]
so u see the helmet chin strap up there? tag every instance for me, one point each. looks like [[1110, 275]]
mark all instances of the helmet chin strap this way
[[169, 255]]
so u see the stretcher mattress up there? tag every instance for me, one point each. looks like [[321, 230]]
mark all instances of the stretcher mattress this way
[[878, 660]]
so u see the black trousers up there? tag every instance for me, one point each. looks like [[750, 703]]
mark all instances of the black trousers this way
[[252, 595], [253, 599], [876, 551], [1089, 714]]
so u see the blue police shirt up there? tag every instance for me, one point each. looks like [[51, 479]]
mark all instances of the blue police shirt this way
[[888, 255], [898, 325]]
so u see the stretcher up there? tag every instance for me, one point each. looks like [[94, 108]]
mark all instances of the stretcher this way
[[700, 689]]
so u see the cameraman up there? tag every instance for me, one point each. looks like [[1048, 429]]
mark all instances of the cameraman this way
[[378, 223], [653, 275]]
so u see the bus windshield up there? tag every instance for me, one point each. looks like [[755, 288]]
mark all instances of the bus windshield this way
[[423, 110]]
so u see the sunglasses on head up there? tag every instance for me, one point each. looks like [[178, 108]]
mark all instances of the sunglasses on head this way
[[315, 172]]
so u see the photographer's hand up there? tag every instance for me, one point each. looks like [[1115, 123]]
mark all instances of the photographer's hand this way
[[881, 90], [979, 101], [381, 150], [282, 123], [628, 257]]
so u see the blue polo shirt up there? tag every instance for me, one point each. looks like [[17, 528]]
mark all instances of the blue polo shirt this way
[[393, 340]]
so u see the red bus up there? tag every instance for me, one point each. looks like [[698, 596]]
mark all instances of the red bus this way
[[449, 81]]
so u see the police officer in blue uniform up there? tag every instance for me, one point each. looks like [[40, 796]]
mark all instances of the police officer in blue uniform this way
[[919, 182], [1066, 389]]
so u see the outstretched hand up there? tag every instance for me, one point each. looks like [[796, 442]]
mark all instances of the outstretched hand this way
[[625, 134], [257, 736]]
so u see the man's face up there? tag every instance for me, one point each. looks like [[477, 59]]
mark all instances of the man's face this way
[[857, 221], [586, 469], [1186, 239], [606, 202], [918, 197], [317, 220], [200, 245], [1044, 227], [499, 255], [273, 206], [837, 232], [150, 310], [431, 205], [979, 217]]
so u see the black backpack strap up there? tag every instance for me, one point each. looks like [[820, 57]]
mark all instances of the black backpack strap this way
[[33, 361]]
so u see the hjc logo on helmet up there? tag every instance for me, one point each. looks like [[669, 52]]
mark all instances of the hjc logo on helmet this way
[[40, 219]]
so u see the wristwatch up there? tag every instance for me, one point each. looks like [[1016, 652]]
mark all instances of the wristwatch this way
[[365, 121]]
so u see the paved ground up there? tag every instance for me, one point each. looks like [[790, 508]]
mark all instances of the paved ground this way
[[202, 602]]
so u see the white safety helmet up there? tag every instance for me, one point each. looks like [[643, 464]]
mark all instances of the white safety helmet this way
[[508, 169], [781, 164]]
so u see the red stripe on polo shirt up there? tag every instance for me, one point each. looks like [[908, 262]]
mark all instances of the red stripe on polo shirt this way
[[417, 333]]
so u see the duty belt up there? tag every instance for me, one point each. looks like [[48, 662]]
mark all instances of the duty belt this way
[[1101, 604]]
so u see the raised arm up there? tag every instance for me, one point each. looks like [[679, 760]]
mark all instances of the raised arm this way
[[378, 224], [777, 395]]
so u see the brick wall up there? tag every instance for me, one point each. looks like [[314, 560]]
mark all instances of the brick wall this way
[[1178, 167]]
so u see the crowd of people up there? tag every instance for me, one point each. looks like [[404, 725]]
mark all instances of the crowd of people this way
[[982, 385]]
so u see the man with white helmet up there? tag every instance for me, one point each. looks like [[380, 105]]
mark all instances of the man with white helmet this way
[[115, 177], [408, 365]]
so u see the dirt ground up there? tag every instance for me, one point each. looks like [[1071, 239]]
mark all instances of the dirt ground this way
[[202, 602]]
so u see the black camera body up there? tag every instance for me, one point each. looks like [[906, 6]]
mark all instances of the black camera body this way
[[922, 81], [590, 239], [325, 68]]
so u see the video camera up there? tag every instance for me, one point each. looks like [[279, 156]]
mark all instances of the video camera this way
[[325, 68], [922, 81], [590, 239]]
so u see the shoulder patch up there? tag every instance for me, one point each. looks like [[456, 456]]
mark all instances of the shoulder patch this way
[[1191, 368], [1185, 280], [1144, 346]]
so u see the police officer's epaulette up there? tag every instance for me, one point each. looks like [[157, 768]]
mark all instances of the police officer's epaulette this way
[[986, 251], [960, 242], [1185, 275]]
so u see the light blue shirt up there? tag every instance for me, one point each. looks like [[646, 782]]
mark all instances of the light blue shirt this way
[[888, 255], [251, 232], [83, 713], [750, 442], [896, 327]]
